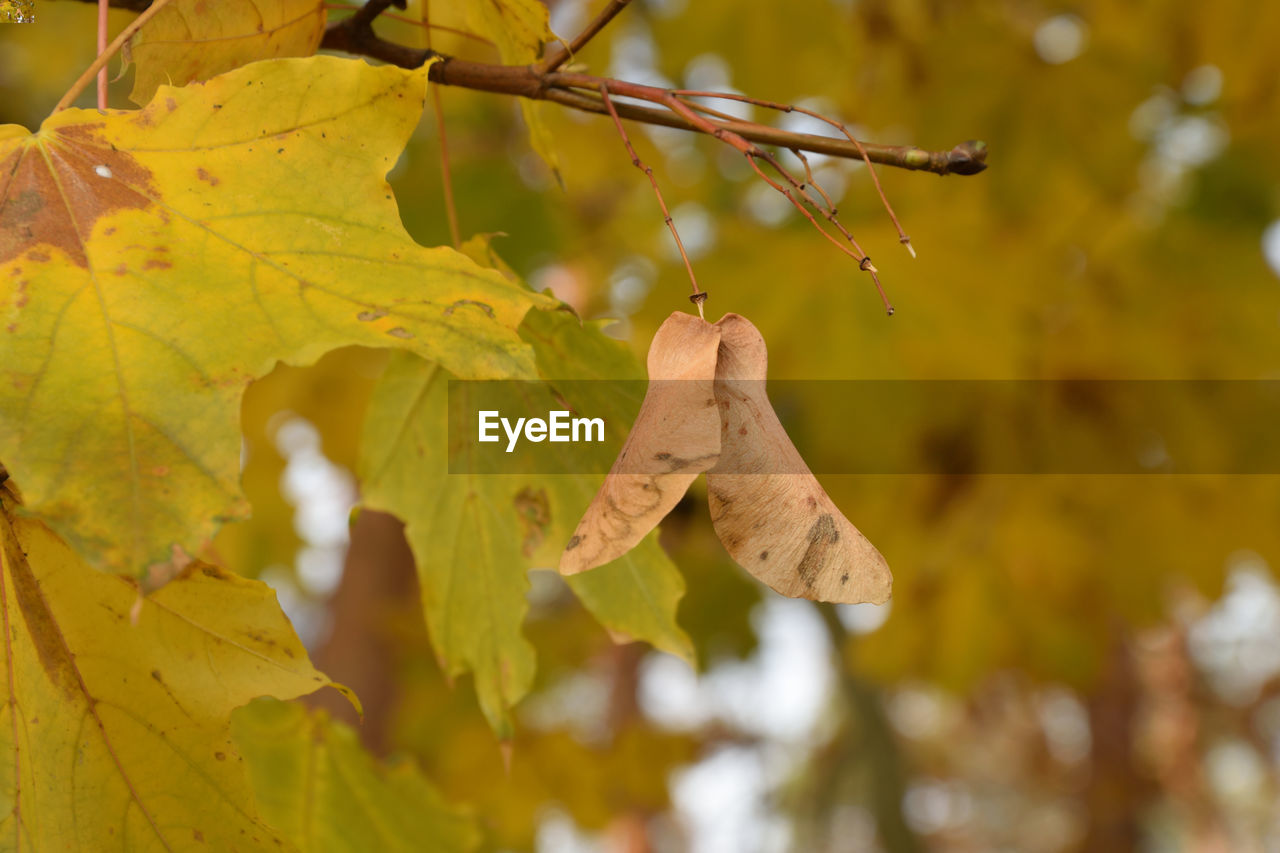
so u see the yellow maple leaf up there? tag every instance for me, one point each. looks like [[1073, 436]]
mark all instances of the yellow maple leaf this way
[[115, 721], [154, 262], [195, 39]]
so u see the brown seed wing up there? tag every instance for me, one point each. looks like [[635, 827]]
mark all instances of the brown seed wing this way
[[675, 438], [768, 509]]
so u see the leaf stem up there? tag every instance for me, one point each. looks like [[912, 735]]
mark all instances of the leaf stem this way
[[99, 64], [699, 296], [103, 6], [446, 176]]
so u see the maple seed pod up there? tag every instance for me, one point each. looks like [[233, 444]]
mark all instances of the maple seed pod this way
[[769, 511], [675, 438]]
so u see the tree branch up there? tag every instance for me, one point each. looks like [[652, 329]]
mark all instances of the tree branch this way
[[355, 35]]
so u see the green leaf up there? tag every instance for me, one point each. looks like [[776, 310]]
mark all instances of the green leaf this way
[[635, 596], [154, 262], [190, 40], [474, 537], [321, 789], [116, 716], [464, 533]]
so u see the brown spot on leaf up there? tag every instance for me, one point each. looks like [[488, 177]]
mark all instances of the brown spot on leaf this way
[[573, 543], [55, 658], [206, 177], [153, 264], [52, 199], [534, 511], [221, 756], [401, 332], [369, 316], [822, 535], [482, 306]]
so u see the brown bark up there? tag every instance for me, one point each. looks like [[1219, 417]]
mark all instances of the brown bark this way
[[377, 583]]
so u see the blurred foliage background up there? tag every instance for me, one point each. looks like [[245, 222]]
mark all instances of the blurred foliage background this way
[[1068, 663]]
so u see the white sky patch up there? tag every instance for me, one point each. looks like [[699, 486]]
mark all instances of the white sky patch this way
[[1235, 771], [919, 712], [1202, 85], [567, 18], [562, 281], [1152, 114], [697, 231], [557, 833], [1061, 38], [1271, 246], [933, 806], [796, 122], [667, 8], [1190, 141], [780, 692], [635, 57], [766, 205], [864, 618], [102, 171], [710, 72], [629, 284], [833, 181], [722, 802], [707, 71], [1065, 722], [1234, 642], [579, 701], [323, 495]]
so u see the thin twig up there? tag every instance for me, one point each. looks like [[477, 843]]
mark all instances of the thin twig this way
[[788, 108], [105, 56], [750, 150], [699, 296], [446, 177], [754, 152], [812, 181], [560, 54], [102, 45], [967, 158]]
